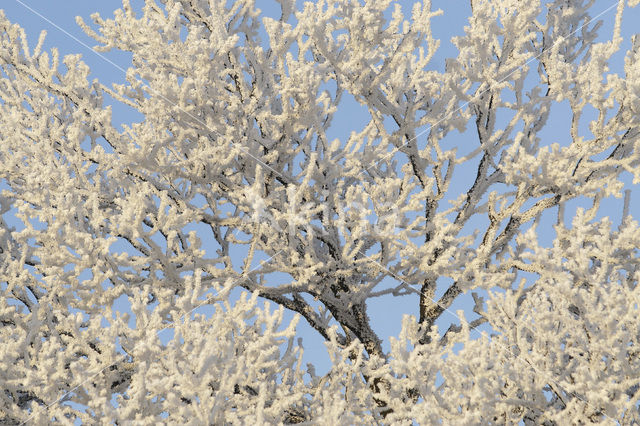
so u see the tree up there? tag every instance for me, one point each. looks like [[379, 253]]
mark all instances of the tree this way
[[233, 153]]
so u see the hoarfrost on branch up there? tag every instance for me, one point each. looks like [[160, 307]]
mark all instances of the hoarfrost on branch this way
[[233, 155]]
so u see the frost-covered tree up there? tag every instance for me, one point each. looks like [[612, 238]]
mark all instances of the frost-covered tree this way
[[231, 179]]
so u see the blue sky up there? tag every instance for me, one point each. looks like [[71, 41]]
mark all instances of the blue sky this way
[[58, 19]]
